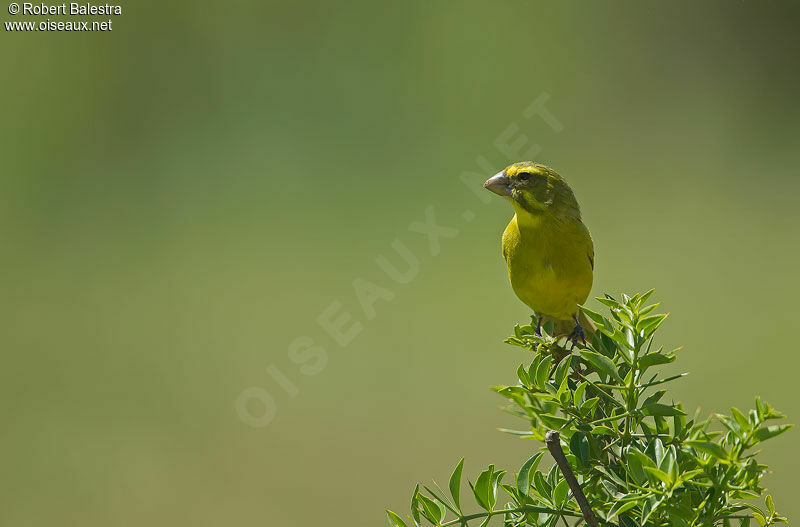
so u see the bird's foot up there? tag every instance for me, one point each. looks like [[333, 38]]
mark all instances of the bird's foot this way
[[577, 334], [538, 331]]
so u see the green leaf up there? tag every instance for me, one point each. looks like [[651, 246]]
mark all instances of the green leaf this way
[[663, 476], [560, 493], [654, 398], [552, 422], [643, 459], [604, 430], [611, 475], [442, 497], [481, 488], [649, 507], [543, 372], [730, 424], [645, 296], [532, 370], [620, 507], [523, 375], [741, 419], [562, 395], [629, 340], [661, 425], [433, 510], [655, 359], [761, 410], [414, 504], [709, 447], [524, 476], [595, 317], [661, 409], [658, 450], [623, 340], [602, 363], [579, 446], [648, 325], [522, 433], [670, 464], [689, 475], [645, 310], [455, 483], [636, 466], [496, 477], [578, 394], [541, 485], [679, 423], [609, 302], [395, 520], [588, 406], [762, 434], [583, 427], [562, 370]]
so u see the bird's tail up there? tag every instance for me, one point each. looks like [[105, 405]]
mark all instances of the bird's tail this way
[[562, 328]]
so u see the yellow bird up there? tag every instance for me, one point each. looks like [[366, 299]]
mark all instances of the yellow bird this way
[[548, 249]]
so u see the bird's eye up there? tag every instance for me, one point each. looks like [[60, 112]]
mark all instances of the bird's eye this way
[[524, 176]]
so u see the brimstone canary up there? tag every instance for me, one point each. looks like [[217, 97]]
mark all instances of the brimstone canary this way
[[548, 249]]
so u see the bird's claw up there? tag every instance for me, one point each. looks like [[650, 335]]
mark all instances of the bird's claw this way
[[576, 335]]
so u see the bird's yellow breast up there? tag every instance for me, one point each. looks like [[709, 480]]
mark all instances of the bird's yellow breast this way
[[550, 262]]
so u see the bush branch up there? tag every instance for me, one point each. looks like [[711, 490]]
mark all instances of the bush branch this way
[[553, 442]]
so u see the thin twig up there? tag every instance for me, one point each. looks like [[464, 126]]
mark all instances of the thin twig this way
[[553, 442]]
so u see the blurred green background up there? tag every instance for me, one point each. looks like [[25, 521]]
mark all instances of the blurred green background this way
[[183, 196]]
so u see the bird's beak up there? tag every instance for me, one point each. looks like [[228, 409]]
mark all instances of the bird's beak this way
[[499, 184]]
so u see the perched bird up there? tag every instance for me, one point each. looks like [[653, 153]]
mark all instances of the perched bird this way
[[547, 247]]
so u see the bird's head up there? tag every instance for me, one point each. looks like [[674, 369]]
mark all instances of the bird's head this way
[[535, 189]]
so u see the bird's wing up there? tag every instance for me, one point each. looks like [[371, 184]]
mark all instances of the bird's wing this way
[[590, 247], [509, 239]]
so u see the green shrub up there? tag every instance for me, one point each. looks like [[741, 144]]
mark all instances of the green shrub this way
[[638, 459]]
